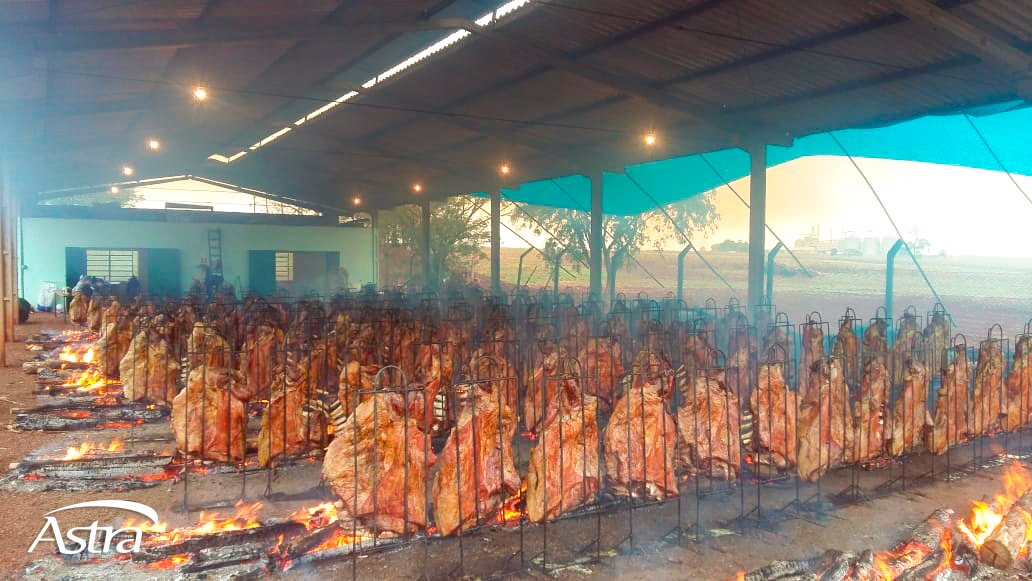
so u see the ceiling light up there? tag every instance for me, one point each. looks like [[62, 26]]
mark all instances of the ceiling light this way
[[417, 187], [200, 93], [356, 200], [115, 189], [650, 139], [505, 169], [127, 170], [153, 144]]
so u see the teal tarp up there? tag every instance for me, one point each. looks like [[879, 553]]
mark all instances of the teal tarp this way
[[945, 139]]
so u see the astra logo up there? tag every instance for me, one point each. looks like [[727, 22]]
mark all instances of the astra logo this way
[[94, 539]]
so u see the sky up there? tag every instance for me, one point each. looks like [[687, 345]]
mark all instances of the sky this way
[[959, 210]]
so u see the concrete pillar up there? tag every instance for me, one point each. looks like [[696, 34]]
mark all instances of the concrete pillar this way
[[4, 296], [374, 247], [757, 219], [595, 240], [428, 282], [496, 242]]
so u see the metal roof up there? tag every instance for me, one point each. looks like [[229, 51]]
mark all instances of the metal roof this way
[[556, 87]]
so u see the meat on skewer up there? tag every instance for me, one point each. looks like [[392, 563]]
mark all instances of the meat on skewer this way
[[564, 471], [825, 422], [1019, 386], [910, 414], [952, 405], [987, 397], [475, 470], [813, 351], [773, 408], [708, 427], [378, 465], [207, 419], [869, 413], [639, 444]]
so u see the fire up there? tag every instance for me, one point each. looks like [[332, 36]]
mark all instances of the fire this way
[[69, 355], [75, 453], [313, 517], [339, 539], [171, 562], [77, 414], [510, 511], [246, 517], [986, 517]]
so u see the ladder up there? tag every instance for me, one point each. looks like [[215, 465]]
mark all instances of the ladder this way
[[215, 251]]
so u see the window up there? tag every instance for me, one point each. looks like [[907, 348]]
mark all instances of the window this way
[[112, 265], [284, 266]]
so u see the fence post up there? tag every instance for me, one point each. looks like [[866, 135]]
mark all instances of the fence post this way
[[890, 273]]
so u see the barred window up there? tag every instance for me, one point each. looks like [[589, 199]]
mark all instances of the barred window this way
[[284, 266], [112, 265]]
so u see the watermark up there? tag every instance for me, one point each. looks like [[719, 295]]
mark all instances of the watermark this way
[[100, 538]]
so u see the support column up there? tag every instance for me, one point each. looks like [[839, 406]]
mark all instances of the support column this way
[[496, 242], [4, 282], [595, 239], [374, 250], [428, 283], [757, 219]]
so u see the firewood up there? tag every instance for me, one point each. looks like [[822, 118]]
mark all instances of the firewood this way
[[1002, 546]]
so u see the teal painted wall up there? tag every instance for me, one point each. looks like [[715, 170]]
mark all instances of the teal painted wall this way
[[45, 240]]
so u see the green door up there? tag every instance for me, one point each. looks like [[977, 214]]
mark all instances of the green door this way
[[162, 266], [261, 275]]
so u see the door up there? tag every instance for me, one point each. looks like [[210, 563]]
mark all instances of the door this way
[[162, 272], [261, 271]]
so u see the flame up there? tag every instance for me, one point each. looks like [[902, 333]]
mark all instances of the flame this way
[[889, 564], [313, 517], [246, 517], [986, 517], [171, 562], [77, 413], [510, 511], [75, 453], [339, 539], [70, 355], [118, 425]]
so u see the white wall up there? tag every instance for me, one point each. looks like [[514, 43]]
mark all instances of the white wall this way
[[45, 240]]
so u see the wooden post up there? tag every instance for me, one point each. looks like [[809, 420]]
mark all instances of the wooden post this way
[[496, 242]]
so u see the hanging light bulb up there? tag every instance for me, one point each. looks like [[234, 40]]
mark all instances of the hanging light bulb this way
[[505, 169], [153, 144], [357, 200], [115, 189], [650, 139], [417, 187], [200, 93], [127, 170]]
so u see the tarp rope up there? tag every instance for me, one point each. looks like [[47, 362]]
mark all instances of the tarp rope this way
[[746, 204], [683, 234], [899, 233], [996, 157]]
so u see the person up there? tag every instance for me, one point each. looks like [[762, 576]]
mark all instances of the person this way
[[132, 287], [212, 279]]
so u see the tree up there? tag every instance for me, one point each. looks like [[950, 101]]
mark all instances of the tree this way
[[622, 236], [917, 244], [458, 230]]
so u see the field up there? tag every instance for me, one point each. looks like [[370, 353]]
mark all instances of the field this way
[[976, 291]]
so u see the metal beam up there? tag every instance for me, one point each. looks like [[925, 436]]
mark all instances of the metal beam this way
[[71, 39], [984, 44], [757, 220], [595, 241], [705, 113]]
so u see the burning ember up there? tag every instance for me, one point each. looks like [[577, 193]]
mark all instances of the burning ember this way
[[77, 355], [511, 510], [90, 448], [246, 517], [171, 562], [313, 517], [985, 517]]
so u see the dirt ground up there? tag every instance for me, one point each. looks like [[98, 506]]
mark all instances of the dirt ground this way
[[624, 544]]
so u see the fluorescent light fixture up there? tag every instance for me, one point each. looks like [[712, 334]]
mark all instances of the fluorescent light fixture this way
[[451, 39]]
